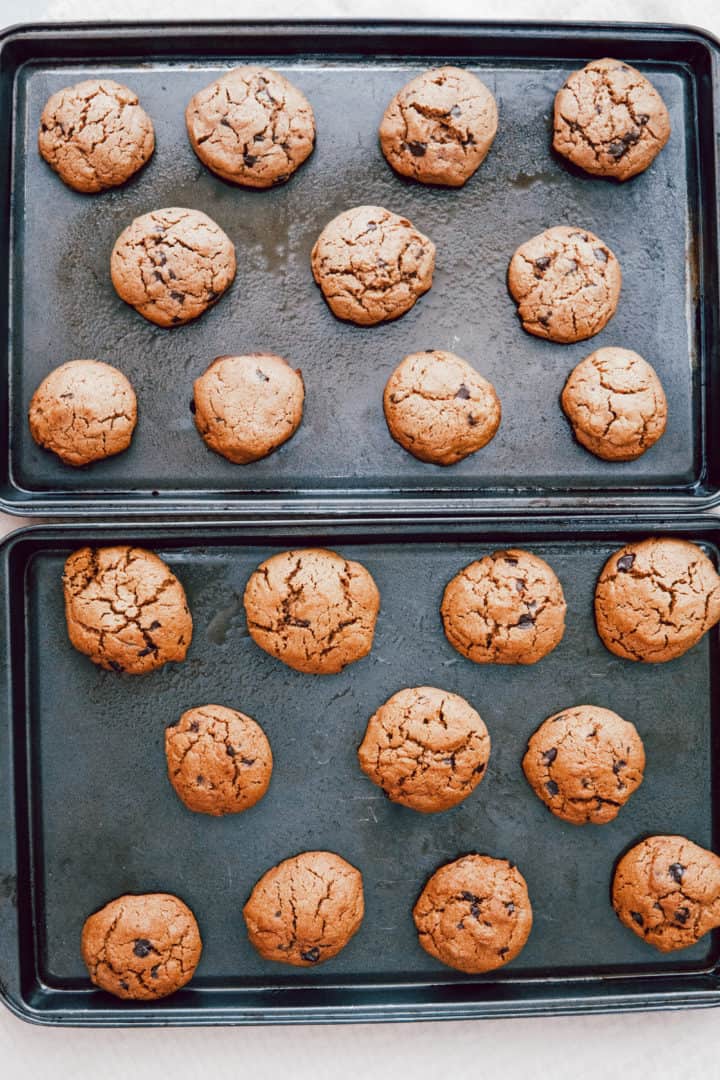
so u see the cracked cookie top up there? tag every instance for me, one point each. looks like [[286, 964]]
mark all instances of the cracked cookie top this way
[[439, 127], [125, 609], [83, 411], [372, 265], [426, 748], [655, 599], [610, 120], [615, 403], [474, 914], [585, 763], [312, 609], [306, 909], [142, 947], [566, 284], [247, 406], [666, 890], [95, 135], [507, 608], [171, 265], [251, 126]]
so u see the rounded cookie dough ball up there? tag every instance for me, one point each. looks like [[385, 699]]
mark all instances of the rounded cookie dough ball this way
[[312, 609], [247, 406], [439, 127], [426, 748], [507, 608], [566, 284], [474, 914], [615, 403], [584, 763], [372, 265], [142, 947], [171, 265], [219, 761], [125, 609], [439, 408], [95, 135], [655, 599], [667, 891], [251, 126], [610, 120], [83, 411], [306, 909]]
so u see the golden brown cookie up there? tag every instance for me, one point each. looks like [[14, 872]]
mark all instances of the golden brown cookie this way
[[655, 599], [251, 126], [439, 127], [247, 406], [171, 265], [610, 120], [474, 914], [83, 411], [615, 403], [312, 609], [439, 408], [219, 761], [426, 748], [667, 890], [95, 135], [507, 608], [585, 763], [372, 265], [142, 947], [566, 284], [306, 909], [125, 609]]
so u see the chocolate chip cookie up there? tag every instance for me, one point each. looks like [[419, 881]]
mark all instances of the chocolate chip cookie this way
[[306, 909], [439, 408], [507, 608], [439, 127], [125, 609], [655, 599], [372, 265], [95, 135], [566, 284], [251, 126], [171, 265], [610, 120]]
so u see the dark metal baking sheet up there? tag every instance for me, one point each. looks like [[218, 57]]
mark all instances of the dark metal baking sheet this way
[[58, 301]]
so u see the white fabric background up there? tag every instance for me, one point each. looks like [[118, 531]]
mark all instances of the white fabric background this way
[[676, 1046]]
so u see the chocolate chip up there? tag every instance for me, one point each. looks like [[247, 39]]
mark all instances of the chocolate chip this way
[[149, 649], [230, 751], [504, 951], [312, 955], [463, 392], [552, 788], [124, 984], [163, 258], [192, 406], [625, 563], [194, 726], [618, 766], [550, 755], [470, 897], [302, 623], [154, 974], [200, 780], [637, 917], [142, 947], [259, 137], [543, 262], [469, 141], [475, 911], [456, 111], [600, 254], [526, 620], [249, 160], [417, 149], [180, 297], [225, 122], [248, 760], [115, 665], [510, 907], [682, 915], [479, 768], [544, 319], [676, 871], [154, 625], [472, 420], [511, 560], [642, 119], [157, 275]]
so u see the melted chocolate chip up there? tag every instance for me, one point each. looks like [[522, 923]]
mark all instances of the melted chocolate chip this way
[[463, 392], [526, 620], [417, 149], [676, 871], [142, 948], [552, 788], [550, 755], [625, 563], [637, 917], [312, 955]]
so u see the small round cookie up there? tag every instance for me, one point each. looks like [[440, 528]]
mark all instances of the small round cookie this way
[[584, 763], [439, 127], [426, 748], [247, 406], [439, 408], [219, 761], [667, 891], [125, 609], [95, 135], [83, 411], [142, 947], [566, 284], [610, 120], [251, 127], [474, 914], [615, 403], [312, 609], [306, 909], [507, 608], [655, 599], [372, 265], [171, 265]]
